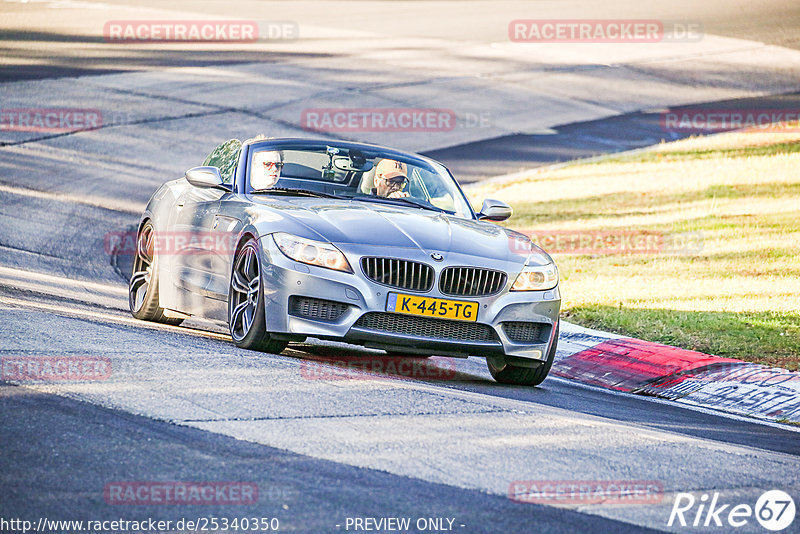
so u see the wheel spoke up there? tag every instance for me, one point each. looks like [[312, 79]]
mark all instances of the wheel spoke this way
[[138, 278], [149, 244], [239, 283], [253, 286], [138, 298], [142, 259], [248, 262], [138, 287], [144, 245], [248, 316], [236, 315]]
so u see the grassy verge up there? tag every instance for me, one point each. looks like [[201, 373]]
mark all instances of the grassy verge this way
[[723, 273]]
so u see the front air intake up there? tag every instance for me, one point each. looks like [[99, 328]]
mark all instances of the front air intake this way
[[425, 327], [311, 308]]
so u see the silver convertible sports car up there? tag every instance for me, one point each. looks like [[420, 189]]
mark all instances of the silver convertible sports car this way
[[284, 239]]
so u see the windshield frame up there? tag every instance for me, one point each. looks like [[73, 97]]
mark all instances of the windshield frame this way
[[242, 178]]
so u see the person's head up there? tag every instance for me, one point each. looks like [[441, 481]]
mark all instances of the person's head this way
[[266, 169], [390, 176]]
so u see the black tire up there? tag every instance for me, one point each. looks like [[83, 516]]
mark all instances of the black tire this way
[[143, 285], [246, 314], [525, 376]]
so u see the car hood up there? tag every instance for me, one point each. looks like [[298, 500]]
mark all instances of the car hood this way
[[374, 223]]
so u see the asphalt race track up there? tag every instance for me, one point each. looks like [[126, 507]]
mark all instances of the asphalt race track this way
[[442, 446]]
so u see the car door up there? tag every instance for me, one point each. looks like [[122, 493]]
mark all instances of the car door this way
[[201, 239]]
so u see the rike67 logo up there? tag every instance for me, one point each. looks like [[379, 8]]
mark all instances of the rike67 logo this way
[[774, 510]]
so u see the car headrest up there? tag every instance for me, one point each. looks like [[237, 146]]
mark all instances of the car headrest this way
[[368, 181]]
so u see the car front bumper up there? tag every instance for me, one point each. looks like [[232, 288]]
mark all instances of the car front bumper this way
[[284, 278]]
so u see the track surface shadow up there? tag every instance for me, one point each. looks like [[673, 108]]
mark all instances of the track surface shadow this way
[[61, 474]]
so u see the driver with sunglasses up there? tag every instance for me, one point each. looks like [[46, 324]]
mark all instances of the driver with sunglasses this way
[[266, 169], [390, 178]]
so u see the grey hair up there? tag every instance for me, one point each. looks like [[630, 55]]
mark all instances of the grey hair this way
[[263, 137]]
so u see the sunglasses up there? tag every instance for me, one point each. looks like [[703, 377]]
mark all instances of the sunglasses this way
[[397, 180], [271, 164]]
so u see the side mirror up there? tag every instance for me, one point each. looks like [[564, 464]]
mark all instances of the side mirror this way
[[494, 210], [205, 177]]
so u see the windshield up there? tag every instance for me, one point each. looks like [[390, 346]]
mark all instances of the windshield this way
[[370, 176]]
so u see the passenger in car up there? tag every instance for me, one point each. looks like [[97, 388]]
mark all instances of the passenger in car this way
[[390, 179]]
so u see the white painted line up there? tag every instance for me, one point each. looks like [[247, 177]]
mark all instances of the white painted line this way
[[107, 317], [51, 278], [86, 200]]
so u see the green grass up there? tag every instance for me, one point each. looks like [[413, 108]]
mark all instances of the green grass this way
[[664, 154], [764, 337], [738, 296]]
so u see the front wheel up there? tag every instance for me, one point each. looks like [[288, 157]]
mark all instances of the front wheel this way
[[143, 285], [246, 315], [524, 376]]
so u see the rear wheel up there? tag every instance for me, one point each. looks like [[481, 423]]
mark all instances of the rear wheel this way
[[524, 376], [246, 314], [143, 285]]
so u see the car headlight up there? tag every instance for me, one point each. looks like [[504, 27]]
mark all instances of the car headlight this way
[[536, 278], [312, 252]]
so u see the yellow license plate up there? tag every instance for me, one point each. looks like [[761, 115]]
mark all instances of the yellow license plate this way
[[459, 310]]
